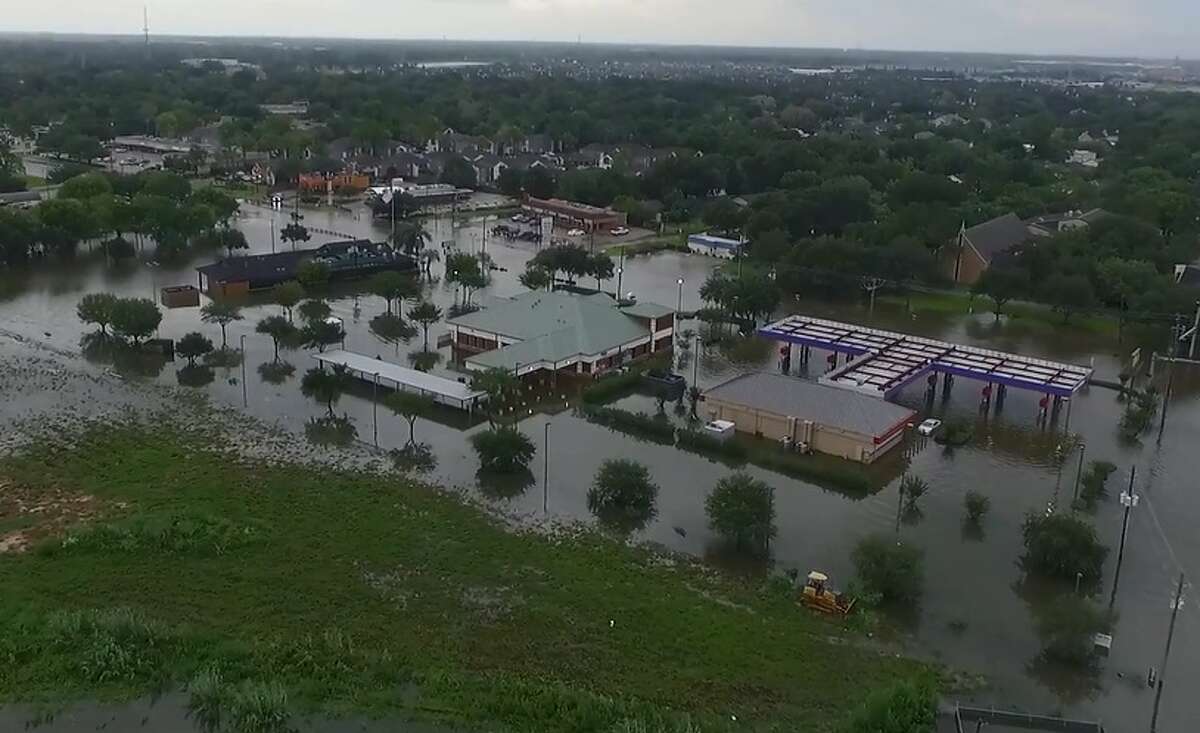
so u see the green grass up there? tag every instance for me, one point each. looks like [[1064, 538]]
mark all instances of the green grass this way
[[35, 181], [957, 302], [362, 593]]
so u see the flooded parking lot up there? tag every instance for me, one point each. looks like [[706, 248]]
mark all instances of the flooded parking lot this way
[[976, 612]]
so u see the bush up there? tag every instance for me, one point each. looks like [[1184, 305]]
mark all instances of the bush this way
[[1139, 410], [503, 450], [1062, 546], [907, 707], [889, 570], [955, 433], [657, 429], [192, 346], [1093, 483], [1066, 629], [609, 387], [849, 478], [977, 506], [623, 495], [742, 509], [913, 488]]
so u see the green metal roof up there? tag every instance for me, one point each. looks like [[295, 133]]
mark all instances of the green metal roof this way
[[643, 309], [553, 327]]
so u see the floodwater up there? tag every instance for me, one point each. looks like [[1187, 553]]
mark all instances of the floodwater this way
[[976, 614]]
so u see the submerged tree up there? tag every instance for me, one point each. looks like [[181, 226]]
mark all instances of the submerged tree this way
[[426, 314], [135, 318], [288, 295], [97, 309], [279, 329], [503, 450], [891, 571], [623, 495], [222, 314], [410, 406], [1062, 546], [192, 346], [325, 387], [742, 509]]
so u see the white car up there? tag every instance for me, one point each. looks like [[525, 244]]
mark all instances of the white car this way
[[929, 427], [619, 231], [574, 232]]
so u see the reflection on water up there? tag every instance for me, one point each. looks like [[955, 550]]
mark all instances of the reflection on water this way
[[331, 430], [276, 372], [504, 486], [195, 375], [415, 457]]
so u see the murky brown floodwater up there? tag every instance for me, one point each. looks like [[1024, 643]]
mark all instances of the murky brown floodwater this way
[[976, 614]]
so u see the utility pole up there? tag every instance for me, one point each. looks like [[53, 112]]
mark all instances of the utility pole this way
[[871, 284], [1129, 500], [245, 401], [1162, 423], [1166, 653], [375, 409]]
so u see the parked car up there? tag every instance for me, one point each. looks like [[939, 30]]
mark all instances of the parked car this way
[[574, 232], [929, 427], [619, 231]]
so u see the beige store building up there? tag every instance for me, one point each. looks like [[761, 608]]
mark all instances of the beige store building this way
[[812, 416]]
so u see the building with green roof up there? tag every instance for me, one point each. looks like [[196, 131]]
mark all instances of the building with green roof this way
[[560, 332]]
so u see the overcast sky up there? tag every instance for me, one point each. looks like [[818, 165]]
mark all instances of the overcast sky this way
[[1160, 28]]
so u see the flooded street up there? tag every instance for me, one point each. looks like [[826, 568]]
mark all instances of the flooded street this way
[[976, 613]]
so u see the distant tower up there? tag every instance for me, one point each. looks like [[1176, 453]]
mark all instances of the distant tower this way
[[146, 27]]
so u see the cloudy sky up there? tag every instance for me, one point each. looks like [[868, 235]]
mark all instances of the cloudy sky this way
[[1160, 28]]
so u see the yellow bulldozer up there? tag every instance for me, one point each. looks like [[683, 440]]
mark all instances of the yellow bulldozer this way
[[819, 596]]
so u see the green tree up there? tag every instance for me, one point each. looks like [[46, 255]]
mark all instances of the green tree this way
[[192, 346], [1000, 285], [294, 233], [392, 286], [913, 488], [535, 278], [623, 495], [279, 329], [742, 509], [321, 334], [426, 314], [221, 313], [1062, 546], [288, 295], [1067, 626], [1069, 294], [232, 239], [410, 406], [97, 309], [411, 236], [894, 572], [324, 386], [313, 310], [85, 187], [135, 318], [503, 450]]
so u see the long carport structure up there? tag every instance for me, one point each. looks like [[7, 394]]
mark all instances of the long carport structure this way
[[883, 362], [441, 390]]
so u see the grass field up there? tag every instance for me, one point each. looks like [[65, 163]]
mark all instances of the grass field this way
[[156, 562], [1033, 314]]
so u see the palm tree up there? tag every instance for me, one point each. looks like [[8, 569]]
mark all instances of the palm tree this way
[[427, 257], [410, 236]]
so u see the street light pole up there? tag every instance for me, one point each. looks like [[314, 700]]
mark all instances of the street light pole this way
[[620, 271], [1078, 473], [695, 359], [375, 409], [546, 470], [245, 401], [679, 305]]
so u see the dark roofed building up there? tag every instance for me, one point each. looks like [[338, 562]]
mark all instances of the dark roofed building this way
[[975, 248], [347, 259]]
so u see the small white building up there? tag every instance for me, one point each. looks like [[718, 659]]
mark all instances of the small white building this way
[[706, 244]]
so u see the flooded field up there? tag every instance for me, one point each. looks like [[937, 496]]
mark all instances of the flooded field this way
[[976, 613]]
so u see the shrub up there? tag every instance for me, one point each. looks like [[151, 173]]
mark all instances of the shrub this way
[[503, 450], [1066, 629], [1062, 546], [955, 433], [742, 509], [976, 505], [657, 429], [892, 571], [907, 707], [192, 346], [1093, 483], [913, 488], [608, 387], [623, 495]]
